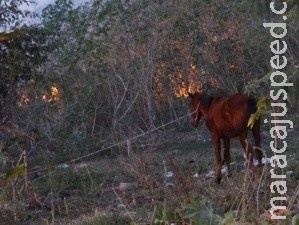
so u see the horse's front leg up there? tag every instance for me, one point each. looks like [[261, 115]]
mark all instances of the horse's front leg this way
[[217, 155], [227, 155]]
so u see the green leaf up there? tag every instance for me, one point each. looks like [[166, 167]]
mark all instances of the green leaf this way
[[262, 107], [251, 121], [263, 104], [228, 219], [15, 172], [295, 220]]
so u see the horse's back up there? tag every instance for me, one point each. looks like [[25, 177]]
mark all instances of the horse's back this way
[[243, 103], [230, 115]]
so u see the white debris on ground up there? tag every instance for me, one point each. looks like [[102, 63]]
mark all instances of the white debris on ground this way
[[211, 173], [196, 175], [77, 166], [123, 186], [168, 179], [63, 166], [169, 174], [81, 166], [265, 161]]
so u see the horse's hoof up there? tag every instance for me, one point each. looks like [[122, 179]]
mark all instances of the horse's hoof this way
[[218, 180]]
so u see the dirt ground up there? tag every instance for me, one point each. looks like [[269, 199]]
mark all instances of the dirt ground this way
[[163, 180]]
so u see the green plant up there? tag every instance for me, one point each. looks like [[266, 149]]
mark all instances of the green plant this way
[[113, 219], [164, 214], [263, 106], [295, 220], [202, 212], [64, 179]]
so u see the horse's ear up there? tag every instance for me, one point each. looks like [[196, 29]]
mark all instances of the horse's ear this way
[[190, 95]]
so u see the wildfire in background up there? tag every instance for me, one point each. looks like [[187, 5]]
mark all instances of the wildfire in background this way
[[180, 82], [50, 97], [24, 100], [53, 96], [192, 85]]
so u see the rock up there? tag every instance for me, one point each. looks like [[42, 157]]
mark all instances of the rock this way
[[211, 173], [63, 166], [81, 166], [169, 174], [125, 186], [121, 206]]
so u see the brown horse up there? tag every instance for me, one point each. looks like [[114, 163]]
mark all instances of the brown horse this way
[[226, 117]]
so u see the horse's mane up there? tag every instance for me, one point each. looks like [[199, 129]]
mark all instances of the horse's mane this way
[[206, 100]]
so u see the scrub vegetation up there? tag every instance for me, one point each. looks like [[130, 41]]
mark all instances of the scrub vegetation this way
[[94, 120]]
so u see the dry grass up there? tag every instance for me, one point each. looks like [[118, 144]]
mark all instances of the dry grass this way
[[132, 189]]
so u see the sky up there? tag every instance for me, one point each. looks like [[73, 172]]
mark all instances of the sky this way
[[40, 4], [43, 3]]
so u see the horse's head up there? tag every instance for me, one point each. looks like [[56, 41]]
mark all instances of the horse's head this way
[[194, 108]]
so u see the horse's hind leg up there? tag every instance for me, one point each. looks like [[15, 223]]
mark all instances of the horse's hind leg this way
[[256, 132], [217, 155], [247, 147], [227, 154]]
